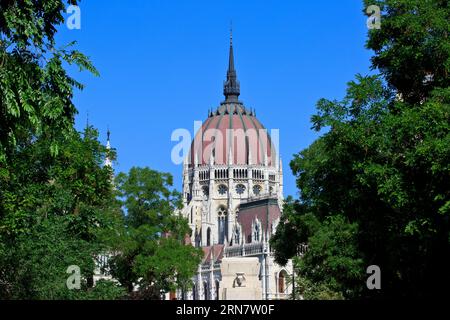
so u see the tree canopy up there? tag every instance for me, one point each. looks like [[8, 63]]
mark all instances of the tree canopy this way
[[375, 187], [59, 206]]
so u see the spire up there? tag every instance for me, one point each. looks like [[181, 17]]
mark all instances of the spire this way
[[108, 139], [87, 119], [108, 161], [231, 88]]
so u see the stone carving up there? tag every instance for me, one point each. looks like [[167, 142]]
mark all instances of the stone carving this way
[[239, 281]]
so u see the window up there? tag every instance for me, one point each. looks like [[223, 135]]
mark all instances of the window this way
[[205, 191], [282, 281], [222, 222], [256, 190], [217, 289], [240, 189], [205, 290], [237, 236], [208, 237], [256, 232], [223, 189]]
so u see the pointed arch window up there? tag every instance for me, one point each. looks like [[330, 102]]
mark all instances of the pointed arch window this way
[[205, 290], [217, 289], [256, 231], [208, 237], [237, 235], [222, 223]]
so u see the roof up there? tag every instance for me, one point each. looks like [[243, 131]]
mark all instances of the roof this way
[[266, 210], [216, 249], [232, 128]]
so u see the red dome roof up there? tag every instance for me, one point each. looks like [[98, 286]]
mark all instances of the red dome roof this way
[[233, 127]]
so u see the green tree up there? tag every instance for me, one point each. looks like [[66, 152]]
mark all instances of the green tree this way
[[57, 211], [152, 252], [381, 169], [56, 198], [35, 90], [412, 48]]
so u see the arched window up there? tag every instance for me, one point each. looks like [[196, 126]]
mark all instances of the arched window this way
[[237, 235], [205, 191], [282, 281], [208, 237], [222, 223], [194, 292], [217, 289], [257, 232], [205, 290]]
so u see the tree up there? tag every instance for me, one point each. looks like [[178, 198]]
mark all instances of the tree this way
[[56, 213], [382, 170], [412, 47], [152, 252], [56, 198]]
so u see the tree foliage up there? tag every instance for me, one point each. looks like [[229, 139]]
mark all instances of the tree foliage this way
[[35, 90], [381, 171], [54, 212], [152, 253]]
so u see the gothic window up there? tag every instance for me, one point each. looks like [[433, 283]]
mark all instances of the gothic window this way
[[205, 190], [256, 231], [208, 237], [256, 190], [222, 223], [217, 290], [282, 281], [237, 236], [240, 189], [205, 290], [271, 190], [194, 292], [223, 189]]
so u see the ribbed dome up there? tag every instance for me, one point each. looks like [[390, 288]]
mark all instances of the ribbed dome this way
[[232, 129], [232, 135]]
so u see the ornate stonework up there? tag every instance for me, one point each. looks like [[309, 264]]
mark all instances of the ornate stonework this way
[[232, 196]]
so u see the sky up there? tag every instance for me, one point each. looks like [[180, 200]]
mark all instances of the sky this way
[[162, 65]]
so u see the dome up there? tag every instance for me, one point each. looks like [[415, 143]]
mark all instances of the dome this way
[[232, 135]]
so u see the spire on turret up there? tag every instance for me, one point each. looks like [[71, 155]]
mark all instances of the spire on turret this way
[[231, 88], [108, 161]]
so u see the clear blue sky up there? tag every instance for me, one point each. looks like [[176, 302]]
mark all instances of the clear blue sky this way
[[162, 65]]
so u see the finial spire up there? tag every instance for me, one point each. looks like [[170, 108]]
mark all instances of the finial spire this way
[[231, 89], [231, 32], [108, 161]]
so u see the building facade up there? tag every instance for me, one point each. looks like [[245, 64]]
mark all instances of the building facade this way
[[233, 195]]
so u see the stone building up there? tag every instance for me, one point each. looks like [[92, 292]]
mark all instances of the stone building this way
[[233, 196]]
